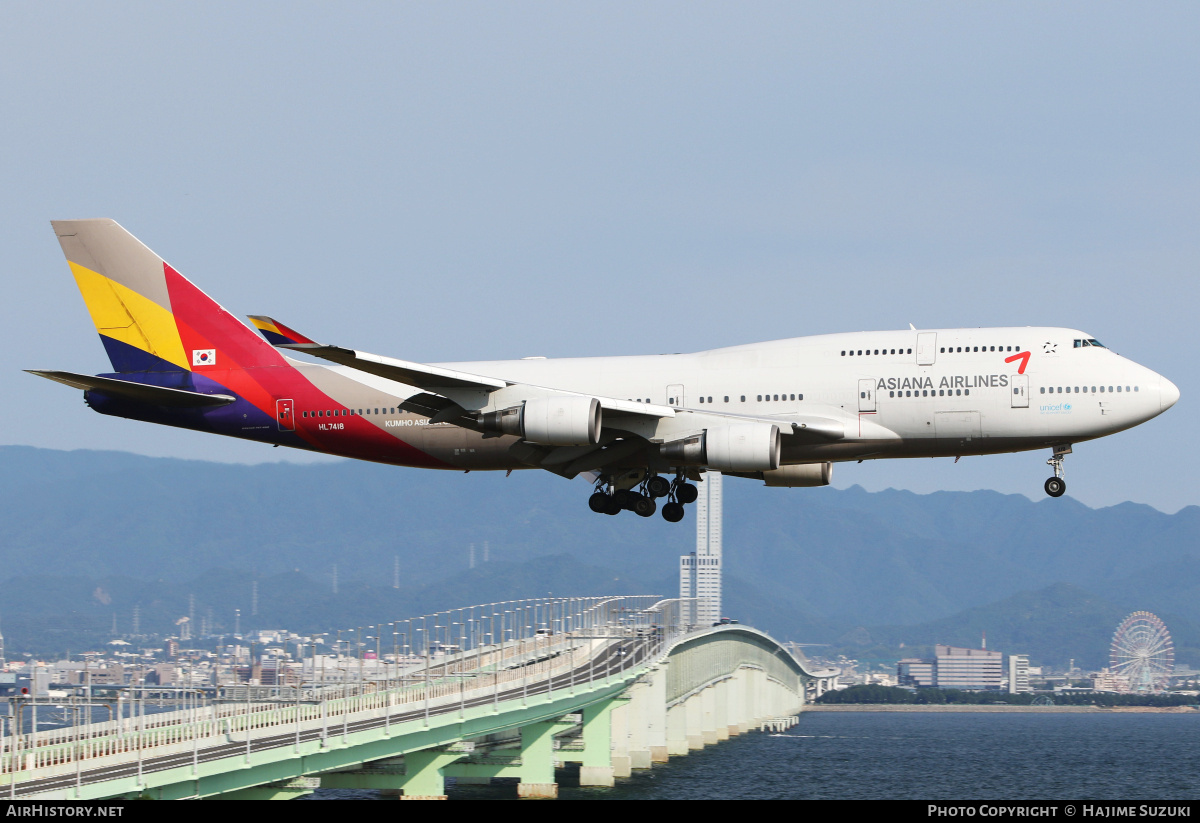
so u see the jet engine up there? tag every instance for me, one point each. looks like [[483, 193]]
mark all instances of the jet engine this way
[[743, 447], [557, 420], [738, 447], [804, 474]]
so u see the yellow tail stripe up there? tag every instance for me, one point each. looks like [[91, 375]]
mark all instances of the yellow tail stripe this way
[[123, 314]]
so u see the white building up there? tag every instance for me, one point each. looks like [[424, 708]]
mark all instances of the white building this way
[[1018, 673], [700, 571]]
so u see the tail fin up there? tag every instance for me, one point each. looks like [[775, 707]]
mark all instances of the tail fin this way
[[150, 318]]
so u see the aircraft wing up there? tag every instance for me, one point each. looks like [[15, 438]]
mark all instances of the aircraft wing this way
[[448, 382]]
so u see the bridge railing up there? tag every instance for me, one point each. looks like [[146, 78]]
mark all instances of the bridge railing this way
[[500, 646]]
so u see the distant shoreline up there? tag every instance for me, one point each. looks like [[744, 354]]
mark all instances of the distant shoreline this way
[[969, 707]]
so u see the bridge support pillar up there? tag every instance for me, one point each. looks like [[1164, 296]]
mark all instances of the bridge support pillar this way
[[619, 754], [709, 700], [735, 703], [537, 761], [422, 779], [677, 739], [639, 712], [598, 767], [694, 712], [654, 714]]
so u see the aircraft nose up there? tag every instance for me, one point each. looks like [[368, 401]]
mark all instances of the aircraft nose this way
[[1168, 393]]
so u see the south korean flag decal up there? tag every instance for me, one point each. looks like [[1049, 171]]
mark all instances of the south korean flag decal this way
[[204, 357]]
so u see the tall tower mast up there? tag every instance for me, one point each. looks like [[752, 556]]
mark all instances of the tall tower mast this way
[[700, 571]]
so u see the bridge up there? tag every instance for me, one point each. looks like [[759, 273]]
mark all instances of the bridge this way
[[502, 690]]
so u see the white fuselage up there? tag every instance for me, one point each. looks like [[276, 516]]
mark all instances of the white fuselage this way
[[897, 393]]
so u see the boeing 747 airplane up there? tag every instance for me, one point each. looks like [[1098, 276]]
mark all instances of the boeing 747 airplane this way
[[640, 427]]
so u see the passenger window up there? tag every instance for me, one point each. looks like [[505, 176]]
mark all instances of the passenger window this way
[[966, 391], [743, 398], [801, 397]]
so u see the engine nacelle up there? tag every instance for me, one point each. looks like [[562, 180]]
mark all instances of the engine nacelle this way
[[557, 420], [804, 474], [743, 447]]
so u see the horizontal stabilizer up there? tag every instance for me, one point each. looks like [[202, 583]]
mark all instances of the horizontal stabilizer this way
[[141, 392]]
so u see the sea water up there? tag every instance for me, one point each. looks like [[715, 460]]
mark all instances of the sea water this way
[[917, 756]]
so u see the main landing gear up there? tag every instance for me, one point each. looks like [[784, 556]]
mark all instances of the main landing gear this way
[[1056, 486], [640, 497]]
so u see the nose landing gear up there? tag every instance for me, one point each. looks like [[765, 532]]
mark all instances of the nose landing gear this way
[[1056, 486]]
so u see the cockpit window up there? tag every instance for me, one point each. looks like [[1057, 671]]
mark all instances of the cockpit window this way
[[1094, 342], [1091, 341]]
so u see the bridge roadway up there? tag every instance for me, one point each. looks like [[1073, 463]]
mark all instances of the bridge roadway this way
[[630, 686]]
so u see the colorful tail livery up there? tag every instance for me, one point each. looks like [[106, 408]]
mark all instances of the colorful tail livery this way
[[641, 427], [181, 359]]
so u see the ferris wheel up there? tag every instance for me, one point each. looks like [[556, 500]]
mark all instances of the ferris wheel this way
[[1142, 655]]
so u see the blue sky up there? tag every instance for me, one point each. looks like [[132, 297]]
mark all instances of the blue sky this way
[[458, 181]]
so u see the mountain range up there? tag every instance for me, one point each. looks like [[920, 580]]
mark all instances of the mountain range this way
[[87, 535]]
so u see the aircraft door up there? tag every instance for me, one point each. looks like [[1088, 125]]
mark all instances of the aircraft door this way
[[866, 395], [285, 416], [675, 395], [1019, 383], [926, 348]]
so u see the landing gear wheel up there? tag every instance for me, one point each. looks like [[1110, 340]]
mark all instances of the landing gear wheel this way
[[686, 493], [644, 506], [658, 486], [598, 502], [672, 512], [612, 506], [621, 497], [1055, 486]]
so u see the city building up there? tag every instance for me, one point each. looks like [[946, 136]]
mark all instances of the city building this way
[[700, 571], [1018, 674], [913, 671], [953, 667]]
